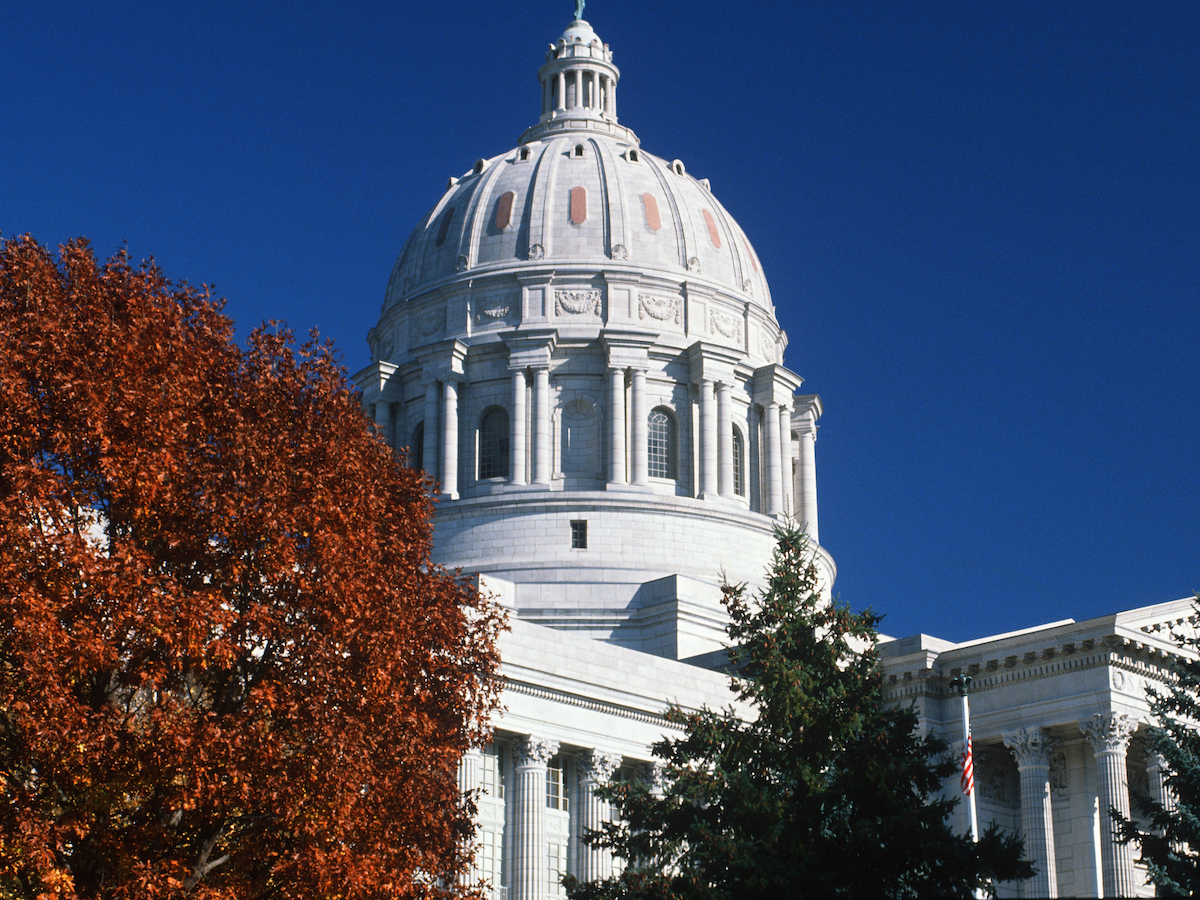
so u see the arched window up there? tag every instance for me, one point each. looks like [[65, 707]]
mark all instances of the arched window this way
[[661, 442], [416, 447], [493, 444], [739, 463]]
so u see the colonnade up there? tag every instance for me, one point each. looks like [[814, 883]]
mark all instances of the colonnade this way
[[593, 91], [527, 874], [1108, 736], [780, 425]]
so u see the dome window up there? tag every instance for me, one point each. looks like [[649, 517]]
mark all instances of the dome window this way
[[523, 154], [493, 444], [677, 168], [631, 155], [480, 165], [713, 234], [661, 443], [650, 205], [578, 205], [504, 211], [578, 152], [444, 227], [739, 463]]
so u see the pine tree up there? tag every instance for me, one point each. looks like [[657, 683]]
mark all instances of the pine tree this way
[[1169, 838], [826, 792]]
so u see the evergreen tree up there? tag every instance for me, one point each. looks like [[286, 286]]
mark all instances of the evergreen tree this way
[[1170, 837], [827, 792]]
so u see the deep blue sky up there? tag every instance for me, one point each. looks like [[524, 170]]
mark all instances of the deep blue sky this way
[[980, 222]]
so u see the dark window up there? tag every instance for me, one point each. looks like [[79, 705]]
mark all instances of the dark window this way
[[493, 444], [579, 534], [444, 227], [739, 463], [416, 447]]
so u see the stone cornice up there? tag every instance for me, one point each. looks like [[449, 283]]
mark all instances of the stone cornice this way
[[928, 673]]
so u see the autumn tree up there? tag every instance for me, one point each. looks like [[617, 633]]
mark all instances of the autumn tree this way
[[823, 791], [228, 668], [1169, 835]]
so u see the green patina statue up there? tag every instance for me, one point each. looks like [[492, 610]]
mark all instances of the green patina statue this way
[[579, 10]]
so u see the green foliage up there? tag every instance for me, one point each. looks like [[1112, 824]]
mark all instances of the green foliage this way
[[1170, 839], [826, 793]]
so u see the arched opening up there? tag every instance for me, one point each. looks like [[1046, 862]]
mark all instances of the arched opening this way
[[662, 444], [416, 447], [739, 463]]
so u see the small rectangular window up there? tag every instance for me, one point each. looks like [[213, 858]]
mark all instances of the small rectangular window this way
[[579, 534]]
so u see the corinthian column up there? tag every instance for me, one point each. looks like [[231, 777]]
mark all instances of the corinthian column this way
[[724, 442], [774, 464], [541, 425], [470, 781], [516, 444], [708, 439], [530, 756], [595, 769], [1109, 736], [1031, 747], [616, 425], [450, 440], [637, 421]]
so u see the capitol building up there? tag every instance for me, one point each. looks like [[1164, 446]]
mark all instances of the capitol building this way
[[578, 343]]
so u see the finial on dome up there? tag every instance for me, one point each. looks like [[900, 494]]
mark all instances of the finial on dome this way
[[579, 10]]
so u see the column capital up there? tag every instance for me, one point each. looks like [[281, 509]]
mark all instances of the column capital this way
[[531, 750], [531, 349], [775, 384], [1031, 746], [627, 349], [711, 362], [443, 360], [1109, 732], [598, 766]]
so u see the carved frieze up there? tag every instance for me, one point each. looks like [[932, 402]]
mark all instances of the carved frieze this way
[[664, 309], [431, 323], [537, 251], [725, 325], [693, 264], [577, 303], [493, 312], [619, 251], [1058, 774]]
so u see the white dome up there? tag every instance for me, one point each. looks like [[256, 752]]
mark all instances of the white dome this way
[[578, 344]]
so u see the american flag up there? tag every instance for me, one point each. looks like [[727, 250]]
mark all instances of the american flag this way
[[968, 772]]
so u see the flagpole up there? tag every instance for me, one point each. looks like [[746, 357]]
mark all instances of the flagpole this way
[[962, 684]]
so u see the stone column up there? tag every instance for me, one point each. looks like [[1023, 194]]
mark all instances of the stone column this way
[[578, 88], [1156, 770], [616, 426], [1031, 747], [541, 426], [429, 458], [1109, 736], [774, 477], [637, 416], [470, 781], [530, 756], [516, 443], [561, 101], [806, 506], [595, 769], [383, 421], [724, 442], [450, 440], [785, 459], [708, 439]]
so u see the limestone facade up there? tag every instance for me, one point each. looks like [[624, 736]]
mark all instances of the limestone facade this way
[[579, 345]]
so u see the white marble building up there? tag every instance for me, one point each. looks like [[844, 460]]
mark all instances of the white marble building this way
[[579, 344]]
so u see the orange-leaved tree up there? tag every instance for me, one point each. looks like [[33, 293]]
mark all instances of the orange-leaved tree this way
[[228, 668]]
